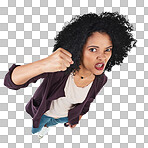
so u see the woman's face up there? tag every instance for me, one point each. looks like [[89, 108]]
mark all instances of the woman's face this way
[[96, 51]]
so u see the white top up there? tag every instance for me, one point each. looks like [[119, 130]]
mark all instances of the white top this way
[[73, 95]]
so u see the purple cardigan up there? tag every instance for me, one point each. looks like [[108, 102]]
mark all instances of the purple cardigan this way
[[52, 88]]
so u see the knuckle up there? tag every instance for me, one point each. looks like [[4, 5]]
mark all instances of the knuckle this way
[[68, 65], [59, 53], [59, 48]]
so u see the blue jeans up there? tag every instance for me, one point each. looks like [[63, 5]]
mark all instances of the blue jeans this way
[[49, 121]]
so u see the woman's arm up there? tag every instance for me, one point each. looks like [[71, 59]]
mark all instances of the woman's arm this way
[[21, 74], [72, 126], [11, 85]]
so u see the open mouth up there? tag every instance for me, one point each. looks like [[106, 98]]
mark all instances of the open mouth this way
[[99, 66]]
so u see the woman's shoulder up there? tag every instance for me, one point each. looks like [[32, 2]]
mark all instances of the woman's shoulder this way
[[103, 78], [57, 75]]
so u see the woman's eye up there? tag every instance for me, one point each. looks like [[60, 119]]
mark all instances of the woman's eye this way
[[108, 49], [92, 49]]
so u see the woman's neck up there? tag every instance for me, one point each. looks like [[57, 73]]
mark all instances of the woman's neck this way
[[84, 73]]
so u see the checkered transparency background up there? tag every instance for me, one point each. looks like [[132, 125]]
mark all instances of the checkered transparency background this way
[[118, 117]]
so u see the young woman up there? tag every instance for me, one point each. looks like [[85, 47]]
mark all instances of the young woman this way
[[74, 73]]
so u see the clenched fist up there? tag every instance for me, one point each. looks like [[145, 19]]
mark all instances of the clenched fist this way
[[59, 60]]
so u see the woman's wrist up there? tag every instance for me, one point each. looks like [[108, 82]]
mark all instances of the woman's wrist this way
[[80, 116]]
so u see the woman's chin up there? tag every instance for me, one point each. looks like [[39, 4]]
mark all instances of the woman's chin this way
[[98, 72]]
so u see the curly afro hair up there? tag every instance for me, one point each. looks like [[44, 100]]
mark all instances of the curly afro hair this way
[[74, 35]]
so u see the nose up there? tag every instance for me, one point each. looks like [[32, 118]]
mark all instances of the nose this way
[[100, 56]]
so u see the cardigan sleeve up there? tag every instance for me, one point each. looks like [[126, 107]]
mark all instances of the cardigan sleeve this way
[[87, 105], [9, 83]]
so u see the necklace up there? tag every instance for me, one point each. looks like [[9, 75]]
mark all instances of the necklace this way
[[85, 77]]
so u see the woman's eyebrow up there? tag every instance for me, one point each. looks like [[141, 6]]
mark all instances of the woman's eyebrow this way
[[98, 46], [93, 46], [109, 46]]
